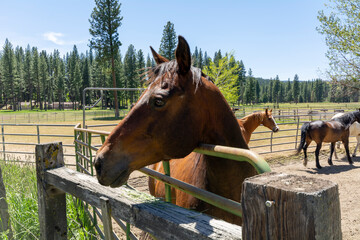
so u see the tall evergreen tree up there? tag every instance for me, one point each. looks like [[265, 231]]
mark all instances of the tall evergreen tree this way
[[130, 68], [276, 89], [296, 88], [104, 23], [9, 72], [27, 75], [250, 88], [168, 41]]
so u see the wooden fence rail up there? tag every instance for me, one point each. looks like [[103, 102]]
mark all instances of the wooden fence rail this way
[[275, 206]]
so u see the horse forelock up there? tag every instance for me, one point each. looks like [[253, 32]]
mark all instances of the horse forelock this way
[[169, 69]]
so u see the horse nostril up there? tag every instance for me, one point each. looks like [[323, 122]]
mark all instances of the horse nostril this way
[[97, 166]]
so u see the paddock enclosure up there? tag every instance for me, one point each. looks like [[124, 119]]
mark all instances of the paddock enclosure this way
[[90, 138], [20, 135]]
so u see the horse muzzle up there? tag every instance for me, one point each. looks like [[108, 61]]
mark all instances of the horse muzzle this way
[[275, 129], [111, 173]]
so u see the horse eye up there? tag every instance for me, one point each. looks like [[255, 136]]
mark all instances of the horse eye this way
[[159, 102]]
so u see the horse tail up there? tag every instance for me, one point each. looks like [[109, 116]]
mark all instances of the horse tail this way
[[304, 129]]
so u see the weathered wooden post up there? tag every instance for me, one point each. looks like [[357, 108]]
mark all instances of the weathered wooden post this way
[[282, 206], [4, 210], [51, 201]]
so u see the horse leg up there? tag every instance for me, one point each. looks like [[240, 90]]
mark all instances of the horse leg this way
[[357, 145], [332, 149], [335, 155], [307, 143], [317, 152], [346, 145]]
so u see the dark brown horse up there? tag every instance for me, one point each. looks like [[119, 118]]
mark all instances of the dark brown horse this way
[[185, 169], [180, 109], [331, 131]]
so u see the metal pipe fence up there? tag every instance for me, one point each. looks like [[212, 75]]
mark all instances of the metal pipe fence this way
[[64, 116], [18, 139], [38, 134]]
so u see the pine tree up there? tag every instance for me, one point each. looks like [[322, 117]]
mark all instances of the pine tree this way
[[288, 91], [104, 23], [217, 57], [257, 91], [195, 58], [8, 73], [207, 59], [241, 81], [86, 80], [43, 80], [168, 41], [19, 87], [296, 88], [250, 88], [130, 73], [276, 90]]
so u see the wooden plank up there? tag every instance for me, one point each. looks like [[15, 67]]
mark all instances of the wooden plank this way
[[282, 206], [162, 220], [106, 217], [51, 201]]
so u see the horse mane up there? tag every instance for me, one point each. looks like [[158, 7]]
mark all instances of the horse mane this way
[[347, 118], [171, 67], [256, 115]]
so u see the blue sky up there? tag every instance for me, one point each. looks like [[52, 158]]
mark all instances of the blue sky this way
[[272, 38]]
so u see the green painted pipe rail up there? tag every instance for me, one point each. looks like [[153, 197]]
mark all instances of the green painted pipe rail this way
[[237, 154]]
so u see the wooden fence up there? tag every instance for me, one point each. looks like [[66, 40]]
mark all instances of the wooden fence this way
[[274, 206]]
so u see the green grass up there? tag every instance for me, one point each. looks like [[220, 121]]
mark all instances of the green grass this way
[[21, 194]]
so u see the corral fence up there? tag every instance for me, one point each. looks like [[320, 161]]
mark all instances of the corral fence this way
[[311, 205], [63, 116], [17, 140]]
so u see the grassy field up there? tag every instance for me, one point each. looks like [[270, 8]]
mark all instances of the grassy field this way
[[21, 194]]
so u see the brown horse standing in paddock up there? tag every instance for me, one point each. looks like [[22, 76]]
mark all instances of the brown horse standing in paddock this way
[[331, 131], [184, 169], [249, 123], [180, 109]]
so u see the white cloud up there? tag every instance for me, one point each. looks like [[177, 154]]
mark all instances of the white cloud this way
[[54, 37]]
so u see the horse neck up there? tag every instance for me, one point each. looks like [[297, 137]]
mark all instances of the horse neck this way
[[224, 175], [251, 122], [220, 126]]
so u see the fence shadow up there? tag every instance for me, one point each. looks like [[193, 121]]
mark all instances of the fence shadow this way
[[334, 169]]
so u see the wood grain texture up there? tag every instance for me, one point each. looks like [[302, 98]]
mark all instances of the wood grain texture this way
[[51, 201], [162, 220], [303, 208]]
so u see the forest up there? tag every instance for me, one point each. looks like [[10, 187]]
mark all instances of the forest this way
[[39, 78]]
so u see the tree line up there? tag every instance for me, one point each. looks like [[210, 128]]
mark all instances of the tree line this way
[[41, 78]]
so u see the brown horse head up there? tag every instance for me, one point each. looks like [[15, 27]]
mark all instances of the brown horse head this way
[[269, 121], [174, 114]]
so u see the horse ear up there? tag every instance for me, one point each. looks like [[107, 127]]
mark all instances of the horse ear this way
[[270, 110], [266, 111], [183, 55], [158, 58]]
